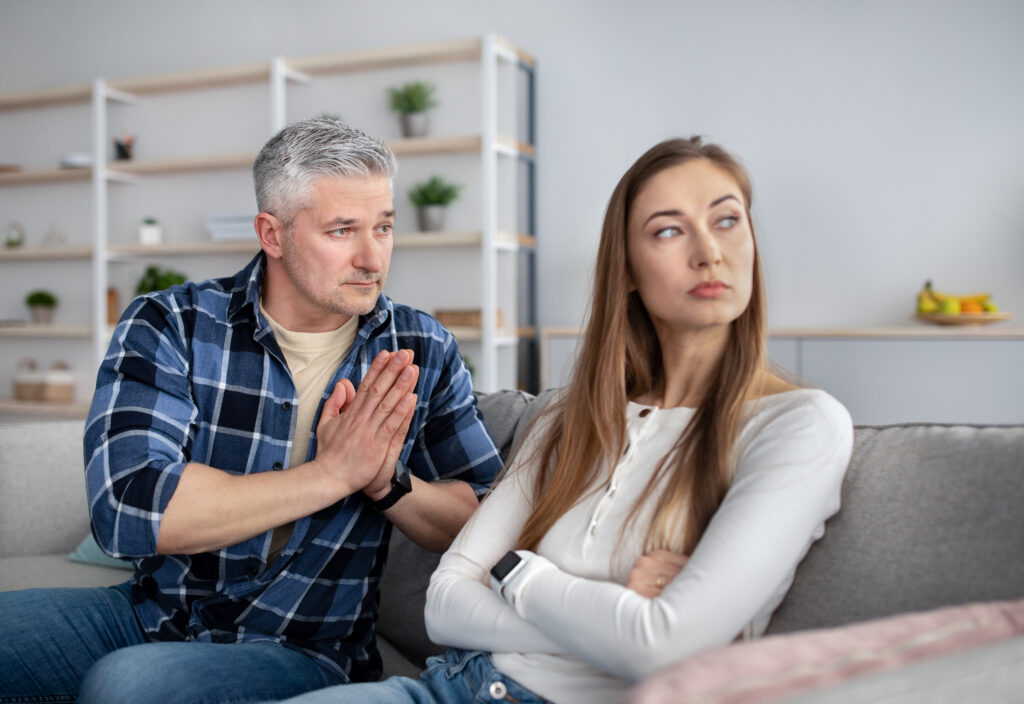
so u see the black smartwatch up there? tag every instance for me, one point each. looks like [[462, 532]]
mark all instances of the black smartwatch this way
[[401, 484], [505, 565]]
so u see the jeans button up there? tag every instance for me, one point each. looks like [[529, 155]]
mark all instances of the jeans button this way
[[498, 690]]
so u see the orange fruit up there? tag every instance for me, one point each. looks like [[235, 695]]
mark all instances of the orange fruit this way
[[970, 306]]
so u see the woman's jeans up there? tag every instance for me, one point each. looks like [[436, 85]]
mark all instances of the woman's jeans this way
[[57, 645], [455, 677]]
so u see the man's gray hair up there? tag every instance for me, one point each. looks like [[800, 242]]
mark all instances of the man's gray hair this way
[[304, 151]]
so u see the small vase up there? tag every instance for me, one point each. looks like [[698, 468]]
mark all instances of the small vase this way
[[414, 124], [41, 315], [150, 234], [430, 218]]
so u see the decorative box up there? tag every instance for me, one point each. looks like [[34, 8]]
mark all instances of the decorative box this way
[[462, 318], [54, 385]]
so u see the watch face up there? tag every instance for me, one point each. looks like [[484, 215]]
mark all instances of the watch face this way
[[402, 478], [505, 565]]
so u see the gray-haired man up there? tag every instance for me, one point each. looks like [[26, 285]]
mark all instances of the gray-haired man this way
[[230, 455]]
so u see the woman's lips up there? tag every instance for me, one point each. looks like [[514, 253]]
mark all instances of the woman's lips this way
[[709, 289]]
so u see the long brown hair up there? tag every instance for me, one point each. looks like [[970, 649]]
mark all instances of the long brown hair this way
[[620, 359]]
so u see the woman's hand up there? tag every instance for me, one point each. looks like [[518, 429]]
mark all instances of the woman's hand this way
[[651, 572]]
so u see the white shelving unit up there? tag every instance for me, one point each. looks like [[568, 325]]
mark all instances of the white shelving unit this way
[[487, 240]]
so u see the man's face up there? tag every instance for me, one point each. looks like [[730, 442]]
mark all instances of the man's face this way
[[338, 249]]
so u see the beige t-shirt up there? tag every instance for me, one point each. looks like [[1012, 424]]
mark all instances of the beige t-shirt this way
[[312, 358]]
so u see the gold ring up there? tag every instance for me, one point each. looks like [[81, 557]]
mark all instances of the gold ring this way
[[659, 582]]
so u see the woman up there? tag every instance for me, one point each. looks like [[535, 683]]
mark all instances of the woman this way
[[661, 504]]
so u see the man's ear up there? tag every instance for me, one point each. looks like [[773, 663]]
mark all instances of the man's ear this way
[[271, 232]]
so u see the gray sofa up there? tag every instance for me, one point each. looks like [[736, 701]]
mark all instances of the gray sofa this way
[[932, 516]]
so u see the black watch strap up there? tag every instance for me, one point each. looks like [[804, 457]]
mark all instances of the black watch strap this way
[[401, 484]]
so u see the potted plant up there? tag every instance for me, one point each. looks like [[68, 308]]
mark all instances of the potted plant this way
[[157, 279], [411, 101], [41, 304], [150, 232], [431, 197]]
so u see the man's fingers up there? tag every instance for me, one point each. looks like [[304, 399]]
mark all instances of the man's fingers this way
[[407, 406], [405, 383], [340, 397]]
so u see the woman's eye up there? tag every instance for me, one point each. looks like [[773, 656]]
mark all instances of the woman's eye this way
[[666, 232], [729, 221]]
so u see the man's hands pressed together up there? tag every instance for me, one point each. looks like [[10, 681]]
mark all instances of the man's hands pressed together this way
[[359, 440], [361, 433]]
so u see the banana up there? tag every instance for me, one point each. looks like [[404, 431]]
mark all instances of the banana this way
[[939, 296]]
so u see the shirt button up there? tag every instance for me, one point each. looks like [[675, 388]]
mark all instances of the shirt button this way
[[646, 412], [278, 465], [498, 690], [253, 571], [287, 405]]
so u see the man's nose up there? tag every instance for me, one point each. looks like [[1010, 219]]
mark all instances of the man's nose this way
[[369, 253]]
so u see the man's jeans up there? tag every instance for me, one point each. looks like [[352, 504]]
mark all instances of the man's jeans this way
[[57, 645]]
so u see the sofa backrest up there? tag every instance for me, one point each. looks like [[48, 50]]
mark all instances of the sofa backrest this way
[[42, 487], [932, 515]]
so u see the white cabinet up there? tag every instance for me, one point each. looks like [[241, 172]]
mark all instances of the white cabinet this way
[[196, 135]]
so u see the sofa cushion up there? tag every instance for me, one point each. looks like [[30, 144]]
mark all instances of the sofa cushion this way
[[793, 663], [42, 487], [30, 571], [931, 516]]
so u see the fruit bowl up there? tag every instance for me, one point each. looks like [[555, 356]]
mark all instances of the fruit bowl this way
[[963, 318]]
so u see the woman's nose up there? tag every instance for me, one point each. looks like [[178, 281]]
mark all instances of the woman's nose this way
[[706, 251]]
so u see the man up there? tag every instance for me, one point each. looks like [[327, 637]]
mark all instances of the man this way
[[230, 455]]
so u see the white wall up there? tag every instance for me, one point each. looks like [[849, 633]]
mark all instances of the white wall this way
[[884, 138]]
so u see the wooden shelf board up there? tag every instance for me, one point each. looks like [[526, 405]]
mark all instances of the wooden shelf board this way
[[39, 254], [191, 163], [435, 145], [893, 332], [515, 145], [919, 331], [76, 409], [44, 176], [29, 330], [459, 239], [455, 50], [414, 55], [184, 248], [41, 98], [201, 78]]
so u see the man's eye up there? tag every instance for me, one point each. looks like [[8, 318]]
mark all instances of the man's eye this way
[[340, 232], [385, 229], [666, 232]]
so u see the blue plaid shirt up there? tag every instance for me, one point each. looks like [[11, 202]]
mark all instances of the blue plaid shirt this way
[[194, 374]]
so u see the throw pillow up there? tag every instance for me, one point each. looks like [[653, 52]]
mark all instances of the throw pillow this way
[[777, 666], [90, 553]]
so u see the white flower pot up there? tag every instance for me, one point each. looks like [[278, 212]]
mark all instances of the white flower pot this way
[[150, 235]]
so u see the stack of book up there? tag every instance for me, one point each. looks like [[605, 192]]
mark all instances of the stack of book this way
[[231, 227]]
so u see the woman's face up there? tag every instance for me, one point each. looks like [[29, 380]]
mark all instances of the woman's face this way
[[690, 248]]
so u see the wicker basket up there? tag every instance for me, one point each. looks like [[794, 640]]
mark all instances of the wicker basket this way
[[54, 385]]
